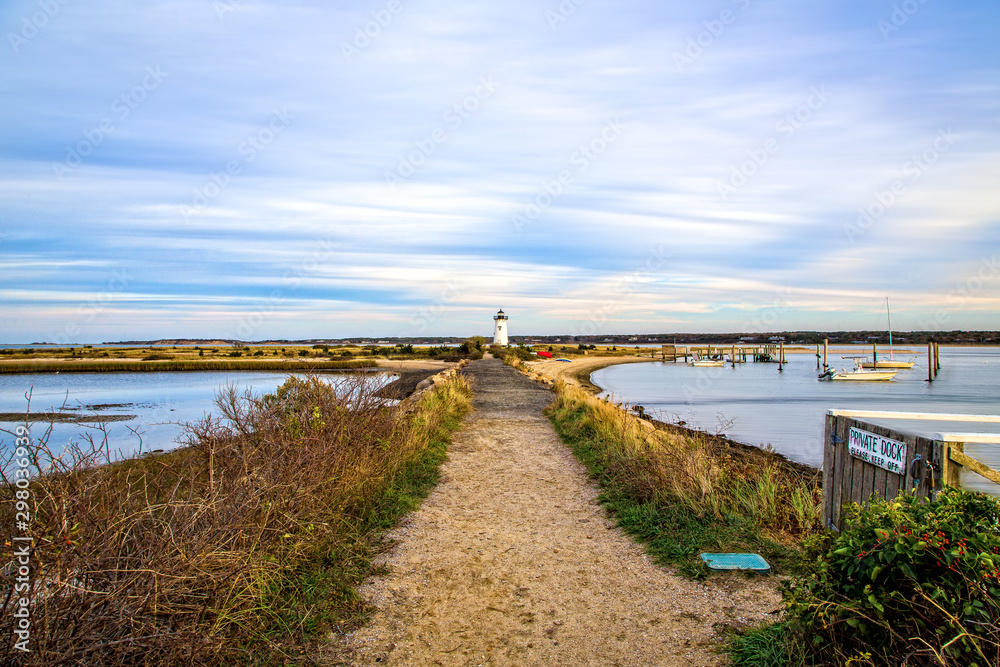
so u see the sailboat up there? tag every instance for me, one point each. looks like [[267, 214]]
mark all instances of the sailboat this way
[[858, 373], [890, 362]]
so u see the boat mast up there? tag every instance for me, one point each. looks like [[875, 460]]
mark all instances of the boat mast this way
[[888, 319]]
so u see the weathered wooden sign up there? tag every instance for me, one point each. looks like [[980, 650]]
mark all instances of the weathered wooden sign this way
[[877, 450]]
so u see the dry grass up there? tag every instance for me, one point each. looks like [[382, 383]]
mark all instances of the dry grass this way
[[160, 362], [235, 550], [666, 471]]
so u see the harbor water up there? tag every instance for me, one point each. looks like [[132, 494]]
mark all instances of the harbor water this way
[[151, 407], [756, 404]]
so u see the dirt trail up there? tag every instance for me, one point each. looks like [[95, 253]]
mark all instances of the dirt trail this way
[[511, 561]]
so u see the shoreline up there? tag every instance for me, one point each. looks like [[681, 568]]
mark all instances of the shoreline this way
[[578, 373], [409, 374], [179, 365]]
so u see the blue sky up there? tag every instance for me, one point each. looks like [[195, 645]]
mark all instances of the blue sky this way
[[248, 169]]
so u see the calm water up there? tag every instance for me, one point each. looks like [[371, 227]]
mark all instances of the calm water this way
[[755, 404], [160, 402]]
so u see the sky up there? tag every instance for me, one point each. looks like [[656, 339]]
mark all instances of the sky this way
[[244, 169]]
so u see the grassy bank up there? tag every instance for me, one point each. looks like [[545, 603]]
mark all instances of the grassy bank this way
[[236, 356], [683, 493], [152, 366], [904, 582], [244, 548]]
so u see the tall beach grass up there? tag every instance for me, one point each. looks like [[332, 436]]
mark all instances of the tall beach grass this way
[[685, 492], [242, 548]]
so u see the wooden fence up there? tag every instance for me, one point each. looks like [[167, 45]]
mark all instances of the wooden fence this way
[[862, 459]]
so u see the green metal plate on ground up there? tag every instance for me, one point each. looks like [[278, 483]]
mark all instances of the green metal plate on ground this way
[[753, 562]]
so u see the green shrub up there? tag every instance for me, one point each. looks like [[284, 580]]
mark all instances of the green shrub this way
[[907, 581]]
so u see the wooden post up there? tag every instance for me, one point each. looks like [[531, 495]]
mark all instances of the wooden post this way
[[829, 462], [874, 354], [949, 474], [781, 355], [732, 355], [817, 357], [937, 359], [826, 348], [930, 362]]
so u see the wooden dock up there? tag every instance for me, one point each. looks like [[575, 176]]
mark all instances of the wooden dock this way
[[732, 353]]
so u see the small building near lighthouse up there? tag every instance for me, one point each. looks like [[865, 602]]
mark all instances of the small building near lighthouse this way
[[500, 329]]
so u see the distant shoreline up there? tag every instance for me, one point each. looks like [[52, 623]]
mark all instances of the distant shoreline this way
[[957, 338], [130, 366]]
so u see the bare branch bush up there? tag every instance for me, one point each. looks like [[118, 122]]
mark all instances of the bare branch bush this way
[[179, 558]]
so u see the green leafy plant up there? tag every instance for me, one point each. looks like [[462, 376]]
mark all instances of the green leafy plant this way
[[907, 581]]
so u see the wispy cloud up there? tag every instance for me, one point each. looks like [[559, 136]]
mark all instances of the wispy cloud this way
[[168, 194]]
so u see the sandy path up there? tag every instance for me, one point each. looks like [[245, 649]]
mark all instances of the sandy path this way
[[511, 561]]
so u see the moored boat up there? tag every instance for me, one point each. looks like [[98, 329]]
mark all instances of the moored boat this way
[[858, 374], [890, 362], [698, 361]]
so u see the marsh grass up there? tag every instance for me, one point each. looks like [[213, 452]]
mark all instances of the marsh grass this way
[[160, 362], [686, 492], [242, 548]]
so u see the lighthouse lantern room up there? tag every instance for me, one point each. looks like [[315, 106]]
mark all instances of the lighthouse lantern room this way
[[500, 329]]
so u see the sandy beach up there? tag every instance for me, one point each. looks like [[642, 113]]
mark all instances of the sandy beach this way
[[577, 372]]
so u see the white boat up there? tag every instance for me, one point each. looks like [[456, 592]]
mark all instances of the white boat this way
[[890, 362], [698, 361], [859, 374]]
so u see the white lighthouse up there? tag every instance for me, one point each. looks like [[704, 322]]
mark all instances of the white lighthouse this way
[[500, 329]]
